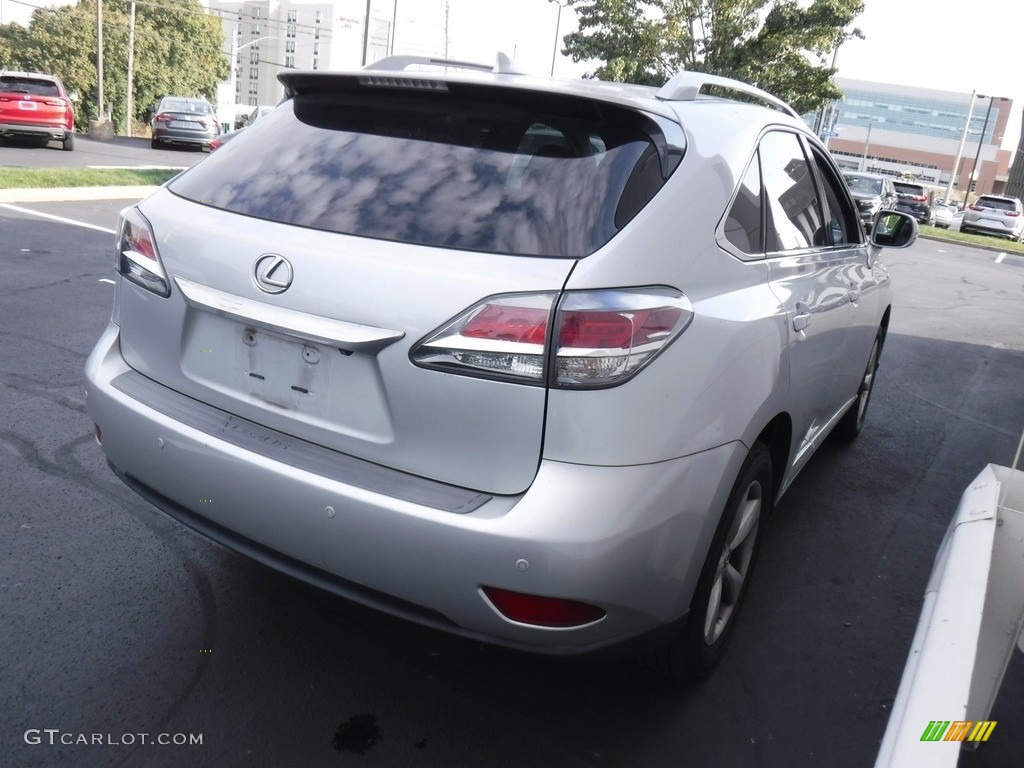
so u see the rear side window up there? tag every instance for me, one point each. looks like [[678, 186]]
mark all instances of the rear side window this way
[[795, 219], [465, 167]]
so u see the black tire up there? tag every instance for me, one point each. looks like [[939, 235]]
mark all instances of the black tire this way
[[154, 144], [69, 143], [853, 420], [724, 579]]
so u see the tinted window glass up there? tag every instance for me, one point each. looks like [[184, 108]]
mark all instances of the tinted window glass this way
[[743, 222], [998, 203], [843, 227], [864, 184], [478, 169], [794, 214], [30, 85]]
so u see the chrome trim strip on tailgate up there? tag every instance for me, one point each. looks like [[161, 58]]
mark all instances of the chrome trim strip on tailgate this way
[[302, 325], [297, 453]]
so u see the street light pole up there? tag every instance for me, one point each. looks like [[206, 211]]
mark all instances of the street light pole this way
[[960, 151], [981, 140], [235, 48], [867, 142], [558, 24]]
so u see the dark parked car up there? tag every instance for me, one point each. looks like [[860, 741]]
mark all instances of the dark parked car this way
[[180, 120], [873, 193], [913, 199], [36, 107]]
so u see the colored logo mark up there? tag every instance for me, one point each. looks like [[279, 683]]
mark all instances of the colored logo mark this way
[[958, 730]]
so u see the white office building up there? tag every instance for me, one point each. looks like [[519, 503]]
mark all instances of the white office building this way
[[266, 36]]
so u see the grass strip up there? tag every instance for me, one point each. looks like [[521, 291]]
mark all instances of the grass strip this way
[[939, 233], [48, 178]]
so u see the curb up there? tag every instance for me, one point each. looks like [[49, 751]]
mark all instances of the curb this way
[[73, 194]]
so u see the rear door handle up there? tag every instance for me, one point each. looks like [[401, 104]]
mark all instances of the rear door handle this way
[[802, 318], [854, 294]]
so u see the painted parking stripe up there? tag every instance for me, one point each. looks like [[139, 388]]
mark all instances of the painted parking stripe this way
[[1000, 257], [61, 219]]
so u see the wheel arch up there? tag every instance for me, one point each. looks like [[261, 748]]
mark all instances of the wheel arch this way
[[778, 436]]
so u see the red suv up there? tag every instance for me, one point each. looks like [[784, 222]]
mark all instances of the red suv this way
[[36, 106]]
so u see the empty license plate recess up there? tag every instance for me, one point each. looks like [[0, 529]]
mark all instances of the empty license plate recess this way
[[282, 371], [307, 381]]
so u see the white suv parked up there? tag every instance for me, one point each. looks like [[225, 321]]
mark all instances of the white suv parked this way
[[995, 215], [523, 359]]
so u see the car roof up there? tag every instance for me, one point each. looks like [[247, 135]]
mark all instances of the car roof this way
[[30, 75]]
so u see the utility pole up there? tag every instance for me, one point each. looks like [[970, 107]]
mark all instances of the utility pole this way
[[366, 32], [131, 69], [960, 151], [867, 142], [99, 60]]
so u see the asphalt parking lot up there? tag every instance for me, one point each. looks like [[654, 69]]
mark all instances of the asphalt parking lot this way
[[114, 620]]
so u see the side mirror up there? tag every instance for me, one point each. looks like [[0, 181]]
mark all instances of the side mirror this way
[[894, 229]]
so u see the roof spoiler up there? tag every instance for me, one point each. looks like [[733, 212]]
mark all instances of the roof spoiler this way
[[503, 64], [687, 86]]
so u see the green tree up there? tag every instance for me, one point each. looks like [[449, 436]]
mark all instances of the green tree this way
[[179, 49], [781, 46]]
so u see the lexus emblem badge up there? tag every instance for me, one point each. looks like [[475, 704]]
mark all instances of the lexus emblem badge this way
[[272, 273]]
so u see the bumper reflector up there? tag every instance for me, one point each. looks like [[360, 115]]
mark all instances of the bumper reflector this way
[[542, 611]]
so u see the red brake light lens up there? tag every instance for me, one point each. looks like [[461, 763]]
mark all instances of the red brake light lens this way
[[163, 117], [527, 325], [1012, 213], [137, 257], [542, 611], [977, 208], [600, 338]]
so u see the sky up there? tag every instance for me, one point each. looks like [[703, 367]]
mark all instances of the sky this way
[[950, 45]]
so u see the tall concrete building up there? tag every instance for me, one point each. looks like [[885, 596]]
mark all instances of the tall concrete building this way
[[266, 36], [902, 131]]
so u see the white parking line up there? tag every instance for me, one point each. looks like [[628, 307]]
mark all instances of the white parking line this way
[[61, 219], [1000, 257]]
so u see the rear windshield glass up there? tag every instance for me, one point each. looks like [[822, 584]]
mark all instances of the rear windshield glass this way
[[909, 189], [469, 168], [28, 85], [184, 105], [864, 184], [998, 203]]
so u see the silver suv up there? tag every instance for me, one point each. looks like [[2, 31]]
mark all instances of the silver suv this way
[[521, 359], [995, 215]]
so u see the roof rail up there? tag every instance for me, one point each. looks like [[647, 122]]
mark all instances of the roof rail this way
[[503, 64], [687, 86]]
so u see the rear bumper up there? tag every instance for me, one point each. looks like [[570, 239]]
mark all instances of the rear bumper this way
[[190, 138], [55, 132], [990, 227], [630, 540]]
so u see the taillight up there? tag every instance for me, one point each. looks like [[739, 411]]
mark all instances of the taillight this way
[[977, 208], [1012, 213], [599, 338], [163, 117], [919, 198], [542, 611], [137, 257], [500, 337]]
